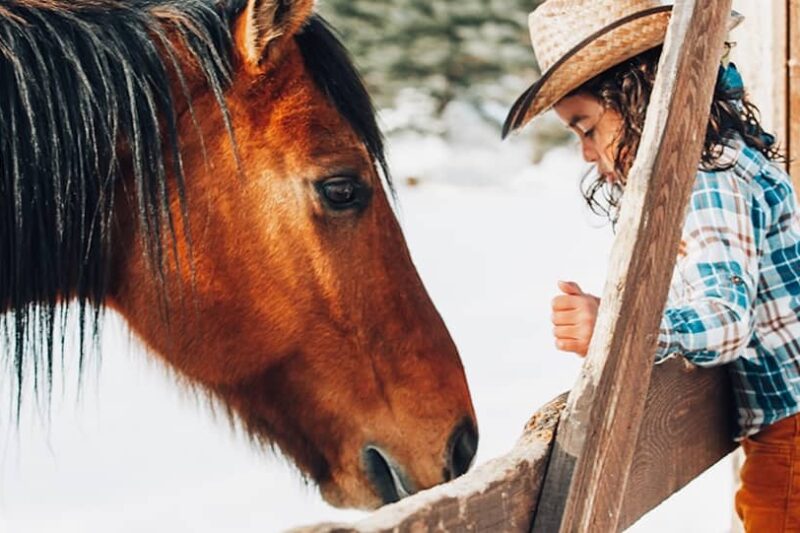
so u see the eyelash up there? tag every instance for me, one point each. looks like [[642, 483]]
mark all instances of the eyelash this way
[[589, 133]]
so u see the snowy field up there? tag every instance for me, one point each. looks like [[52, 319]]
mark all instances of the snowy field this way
[[491, 236]]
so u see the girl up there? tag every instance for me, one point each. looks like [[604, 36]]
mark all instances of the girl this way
[[735, 294]]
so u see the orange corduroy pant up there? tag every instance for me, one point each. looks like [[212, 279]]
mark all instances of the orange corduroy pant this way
[[769, 498]]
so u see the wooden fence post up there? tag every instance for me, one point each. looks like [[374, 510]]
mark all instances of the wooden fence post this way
[[793, 90], [595, 443], [760, 53]]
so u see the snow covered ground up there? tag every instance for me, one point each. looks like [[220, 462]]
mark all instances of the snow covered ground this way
[[491, 236]]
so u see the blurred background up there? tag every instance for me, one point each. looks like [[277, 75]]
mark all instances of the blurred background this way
[[492, 227], [431, 66]]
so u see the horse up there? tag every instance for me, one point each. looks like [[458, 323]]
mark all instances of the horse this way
[[213, 172]]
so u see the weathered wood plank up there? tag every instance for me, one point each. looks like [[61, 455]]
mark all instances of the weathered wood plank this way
[[794, 90], [761, 54], [686, 428], [591, 458]]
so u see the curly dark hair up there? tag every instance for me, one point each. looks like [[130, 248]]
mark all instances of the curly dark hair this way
[[626, 89]]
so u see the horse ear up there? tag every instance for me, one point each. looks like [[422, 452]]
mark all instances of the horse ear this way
[[266, 25]]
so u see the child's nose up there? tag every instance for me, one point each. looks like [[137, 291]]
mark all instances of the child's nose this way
[[589, 152]]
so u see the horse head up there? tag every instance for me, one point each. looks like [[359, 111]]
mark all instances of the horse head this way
[[295, 302]]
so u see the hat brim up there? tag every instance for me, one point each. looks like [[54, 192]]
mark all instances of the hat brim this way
[[607, 48]]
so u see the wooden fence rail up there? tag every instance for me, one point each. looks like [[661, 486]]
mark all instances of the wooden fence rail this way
[[687, 416]]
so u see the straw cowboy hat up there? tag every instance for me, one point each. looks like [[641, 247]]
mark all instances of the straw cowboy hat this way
[[576, 40]]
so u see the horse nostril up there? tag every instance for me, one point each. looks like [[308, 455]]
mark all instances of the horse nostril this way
[[385, 476], [462, 448]]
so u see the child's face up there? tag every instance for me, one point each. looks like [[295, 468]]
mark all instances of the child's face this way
[[598, 129]]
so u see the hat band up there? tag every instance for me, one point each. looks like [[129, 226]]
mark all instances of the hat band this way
[[606, 29]]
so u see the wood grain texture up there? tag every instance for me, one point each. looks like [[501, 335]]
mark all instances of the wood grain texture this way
[[588, 471], [793, 92], [687, 427], [776, 61], [762, 59]]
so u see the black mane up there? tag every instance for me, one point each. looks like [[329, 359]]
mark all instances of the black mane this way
[[79, 80]]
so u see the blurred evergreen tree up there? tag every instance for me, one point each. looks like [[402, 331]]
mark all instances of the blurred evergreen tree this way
[[474, 51]]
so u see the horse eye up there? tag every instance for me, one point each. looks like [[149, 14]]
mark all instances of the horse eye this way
[[341, 193]]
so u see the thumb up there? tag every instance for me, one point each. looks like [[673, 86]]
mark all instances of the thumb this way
[[570, 287]]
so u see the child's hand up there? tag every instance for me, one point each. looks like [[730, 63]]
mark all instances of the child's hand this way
[[574, 315]]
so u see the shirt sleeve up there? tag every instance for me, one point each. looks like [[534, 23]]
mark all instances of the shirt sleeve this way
[[711, 321]]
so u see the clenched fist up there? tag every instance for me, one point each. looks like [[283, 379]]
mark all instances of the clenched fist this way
[[574, 316]]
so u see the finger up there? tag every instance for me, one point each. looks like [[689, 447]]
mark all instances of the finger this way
[[565, 318], [565, 302], [573, 346], [570, 287], [567, 332]]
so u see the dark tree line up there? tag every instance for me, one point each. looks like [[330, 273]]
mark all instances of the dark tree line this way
[[473, 51]]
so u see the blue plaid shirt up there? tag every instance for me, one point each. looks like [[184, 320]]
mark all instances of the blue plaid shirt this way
[[735, 294]]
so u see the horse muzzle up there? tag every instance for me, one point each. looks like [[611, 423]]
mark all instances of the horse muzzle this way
[[391, 481]]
